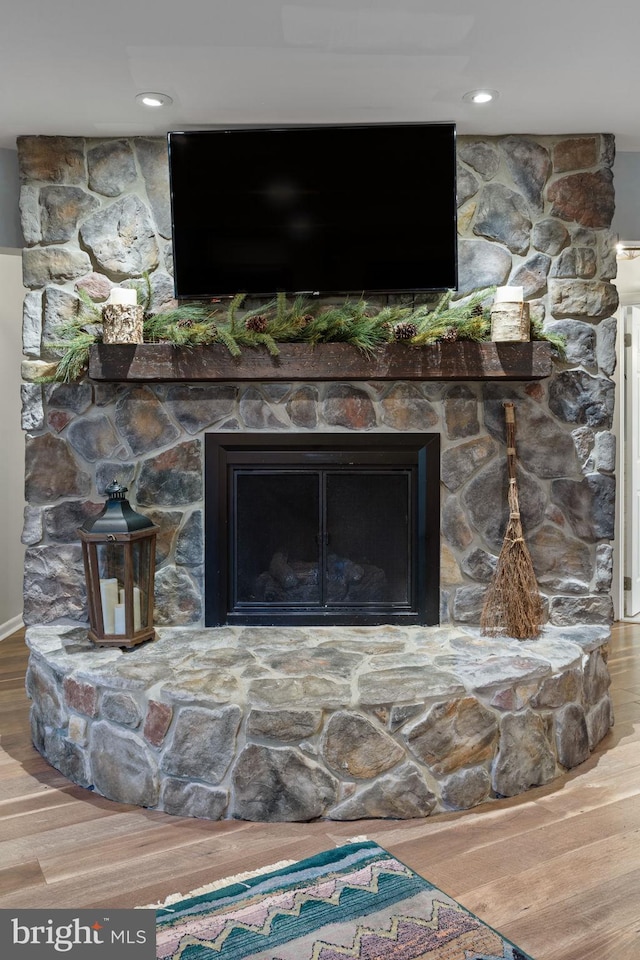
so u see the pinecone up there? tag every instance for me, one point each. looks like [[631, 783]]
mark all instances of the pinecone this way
[[184, 323], [451, 334], [477, 311], [405, 330], [257, 323]]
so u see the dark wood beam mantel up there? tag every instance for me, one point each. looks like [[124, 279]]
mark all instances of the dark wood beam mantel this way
[[458, 360]]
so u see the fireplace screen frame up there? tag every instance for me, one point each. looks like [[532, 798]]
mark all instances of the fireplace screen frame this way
[[228, 455]]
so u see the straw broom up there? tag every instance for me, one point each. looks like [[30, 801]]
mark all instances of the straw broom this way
[[513, 606]]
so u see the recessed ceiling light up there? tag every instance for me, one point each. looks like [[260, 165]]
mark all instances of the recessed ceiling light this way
[[154, 99], [480, 96]]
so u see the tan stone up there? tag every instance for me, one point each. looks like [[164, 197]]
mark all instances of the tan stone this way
[[355, 747]]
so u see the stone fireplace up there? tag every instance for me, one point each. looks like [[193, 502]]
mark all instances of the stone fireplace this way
[[533, 211]]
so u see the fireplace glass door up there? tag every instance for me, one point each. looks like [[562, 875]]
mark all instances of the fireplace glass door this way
[[323, 530]]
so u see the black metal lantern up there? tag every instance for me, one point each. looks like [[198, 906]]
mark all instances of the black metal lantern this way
[[118, 549]]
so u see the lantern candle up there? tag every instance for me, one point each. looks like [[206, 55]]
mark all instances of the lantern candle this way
[[119, 620], [137, 607], [108, 599], [123, 296]]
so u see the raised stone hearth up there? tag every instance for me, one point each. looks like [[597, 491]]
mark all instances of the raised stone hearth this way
[[301, 723]]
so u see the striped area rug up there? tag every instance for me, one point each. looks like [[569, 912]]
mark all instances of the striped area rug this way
[[356, 901]]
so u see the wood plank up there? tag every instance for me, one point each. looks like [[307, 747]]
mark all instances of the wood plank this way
[[460, 360]]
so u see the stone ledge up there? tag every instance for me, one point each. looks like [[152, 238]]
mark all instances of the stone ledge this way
[[460, 360], [297, 724]]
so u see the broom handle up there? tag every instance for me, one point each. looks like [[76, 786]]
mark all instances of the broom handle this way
[[510, 420]]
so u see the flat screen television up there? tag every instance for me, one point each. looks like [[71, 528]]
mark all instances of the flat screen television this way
[[355, 209]]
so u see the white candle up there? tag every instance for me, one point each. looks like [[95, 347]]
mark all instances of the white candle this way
[[125, 296], [509, 295], [119, 625], [137, 618], [109, 600]]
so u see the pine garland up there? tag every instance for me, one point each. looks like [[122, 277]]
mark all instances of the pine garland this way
[[364, 325]]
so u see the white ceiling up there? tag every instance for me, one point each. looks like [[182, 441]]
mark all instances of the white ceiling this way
[[73, 67]]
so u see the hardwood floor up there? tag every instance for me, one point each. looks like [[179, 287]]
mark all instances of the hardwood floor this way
[[556, 870]]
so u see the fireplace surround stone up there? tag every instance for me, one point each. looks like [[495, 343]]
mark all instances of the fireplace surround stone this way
[[533, 211]]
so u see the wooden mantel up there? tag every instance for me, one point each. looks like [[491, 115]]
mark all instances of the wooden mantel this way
[[459, 360]]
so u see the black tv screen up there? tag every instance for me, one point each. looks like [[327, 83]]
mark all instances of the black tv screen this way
[[324, 209]]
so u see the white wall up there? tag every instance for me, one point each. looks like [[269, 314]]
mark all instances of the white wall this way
[[11, 442]]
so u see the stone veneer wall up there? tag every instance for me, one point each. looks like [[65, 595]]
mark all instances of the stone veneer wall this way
[[534, 211]]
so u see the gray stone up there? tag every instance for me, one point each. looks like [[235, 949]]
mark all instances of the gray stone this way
[[558, 690], [604, 567], [188, 799], [405, 408], [482, 156], [408, 684], [141, 420], [355, 747], [111, 470], [502, 216], [111, 167], [162, 292], [60, 308], [562, 563], [459, 463], [122, 765], [466, 788], [45, 689], [280, 784], [467, 185], [62, 210], [576, 262], [32, 323], [402, 795], [468, 603], [481, 264], [607, 357], [43, 265], [121, 238], [599, 722], [530, 166], [178, 601], [67, 757], [572, 739], [173, 477], [605, 451], [283, 724], [69, 396], [524, 758], [485, 499], [348, 406], [580, 340], [479, 565], [584, 439], [453, 735], [190, 541], [30, 214], [203, 743], [569, 610], [197, 407], [275, 692], [550, 236], [591, 299], [587, 198], [51, 159], [54, 584], [542, 446], [596, 679], [32, 529], [121, 707], [577, 397], [168, 522], [256, 413], [302, 407], [532, 275], [94, 438], [62, 521], [32, 416], [589, 505], [51, 471], [461, 412], [455, 528], [153, 160]]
